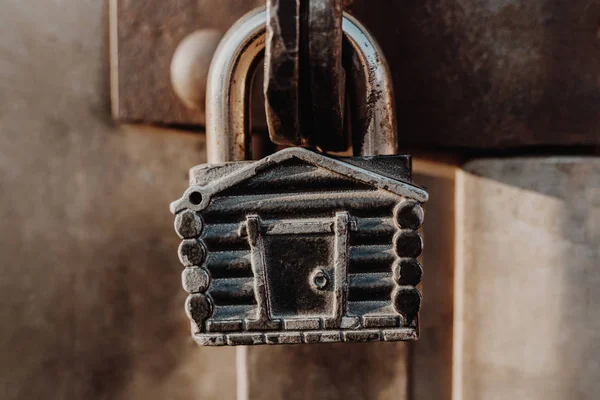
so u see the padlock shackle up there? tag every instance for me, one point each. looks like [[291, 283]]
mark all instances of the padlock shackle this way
[[229, 88], [374, 126]]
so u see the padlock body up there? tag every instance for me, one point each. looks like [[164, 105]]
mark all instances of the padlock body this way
[[301, 247]]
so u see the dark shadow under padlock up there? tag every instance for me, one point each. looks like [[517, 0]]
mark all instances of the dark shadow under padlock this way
[[299, 247]]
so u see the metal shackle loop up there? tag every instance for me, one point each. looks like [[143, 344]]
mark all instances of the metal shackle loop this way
[[230, 79]]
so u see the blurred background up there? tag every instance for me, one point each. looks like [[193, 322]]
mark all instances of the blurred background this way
[[498, 99]]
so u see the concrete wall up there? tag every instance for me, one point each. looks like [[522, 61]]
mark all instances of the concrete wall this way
[[91, 304]]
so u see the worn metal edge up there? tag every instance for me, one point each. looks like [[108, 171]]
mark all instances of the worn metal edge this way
[[309, 337]]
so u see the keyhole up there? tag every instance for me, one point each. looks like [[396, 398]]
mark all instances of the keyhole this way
[[320, 279]]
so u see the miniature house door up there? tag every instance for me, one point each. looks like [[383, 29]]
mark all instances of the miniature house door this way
[[299, 275], [300, 270]]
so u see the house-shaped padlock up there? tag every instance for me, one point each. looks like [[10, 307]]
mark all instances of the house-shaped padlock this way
[[302, 247]]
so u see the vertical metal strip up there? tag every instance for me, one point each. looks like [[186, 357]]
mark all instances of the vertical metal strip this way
[[342, 222], [263, 319], [258, 266]]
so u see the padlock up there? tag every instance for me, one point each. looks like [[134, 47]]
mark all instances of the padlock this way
[[300, 247]]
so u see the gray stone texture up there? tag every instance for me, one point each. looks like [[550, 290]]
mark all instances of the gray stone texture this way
[[91, 303]]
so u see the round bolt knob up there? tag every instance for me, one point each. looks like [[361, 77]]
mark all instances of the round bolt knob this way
[[190, 64]]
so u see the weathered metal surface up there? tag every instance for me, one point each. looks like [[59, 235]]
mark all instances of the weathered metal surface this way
[[371, 92], [272, 257], [298, 247], [304, 80], [492, 74], [325, 79], [282, 71], [468, 74], [227, 130], [144, 36], [228, 91]]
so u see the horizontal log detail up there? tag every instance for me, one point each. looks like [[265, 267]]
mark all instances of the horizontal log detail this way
[[223, 235], [365, 287], [374, 225], [234, 233], [240, 259], [376, 202], [229, 291], [379, 230], [377, 307], [234, 312], [371, 258], [375, 281], [241, 290], [223, 264]]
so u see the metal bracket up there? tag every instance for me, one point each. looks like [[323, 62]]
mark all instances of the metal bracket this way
[[143, 38]]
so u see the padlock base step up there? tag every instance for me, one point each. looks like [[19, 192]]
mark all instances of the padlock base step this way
[[247, 339]]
